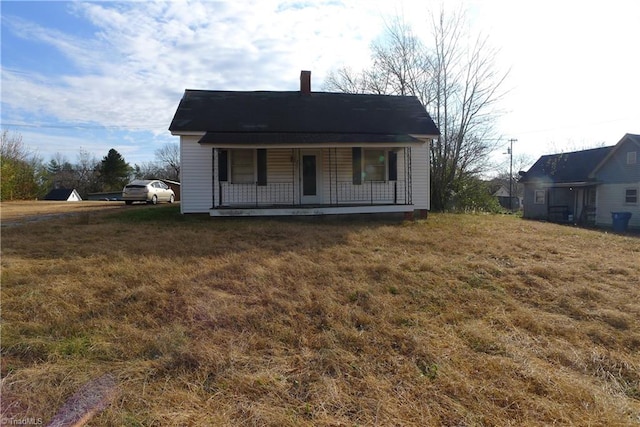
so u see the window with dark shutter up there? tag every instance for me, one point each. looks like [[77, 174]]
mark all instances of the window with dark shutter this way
[[262, 166], [223, 165], [243, 166], [393, 166], [356, 155], [375, 164]]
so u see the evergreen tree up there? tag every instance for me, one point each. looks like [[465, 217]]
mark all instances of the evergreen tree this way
[[114, 171]]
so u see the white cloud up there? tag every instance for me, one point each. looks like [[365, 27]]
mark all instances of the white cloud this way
[[145, 54], [82, 52], [572, 65]]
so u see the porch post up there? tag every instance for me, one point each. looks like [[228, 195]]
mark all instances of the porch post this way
[[214, 176], [395, 192], [407, 176], [330, 192], [293, 177], [371, 191], [335, 152]]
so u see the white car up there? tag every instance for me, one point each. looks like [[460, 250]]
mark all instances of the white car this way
[[147, 190]]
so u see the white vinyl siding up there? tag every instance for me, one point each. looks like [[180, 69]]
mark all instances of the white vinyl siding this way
[[611, 198], [281, 177], [281, 181], [420, 175], [280, 165], [337, 169], [283, 186], [196, 176], [338, 166]]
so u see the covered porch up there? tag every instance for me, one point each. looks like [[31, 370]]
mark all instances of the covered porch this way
[[572, 203], [320, 180]]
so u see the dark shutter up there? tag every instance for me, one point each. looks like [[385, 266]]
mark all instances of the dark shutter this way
[[356, 156], [262, 166], [223, 165], [393, 166]]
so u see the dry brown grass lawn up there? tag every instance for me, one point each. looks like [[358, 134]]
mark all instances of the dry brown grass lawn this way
[[24, 211], [459, 320]]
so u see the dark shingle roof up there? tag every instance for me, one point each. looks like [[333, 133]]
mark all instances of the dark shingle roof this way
[[627, 137], [264, 112], [566, 167], [266, 138], [59, 194]]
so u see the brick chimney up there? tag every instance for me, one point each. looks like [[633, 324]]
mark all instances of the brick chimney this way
[[305, 82]]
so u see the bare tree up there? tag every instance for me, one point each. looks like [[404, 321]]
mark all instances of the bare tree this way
[[401, 62], [169, 155], [150, 170], [86, 171], [345, 80], [82, 175], [466, 89], [60, 173], [400, 66], [456, 81]]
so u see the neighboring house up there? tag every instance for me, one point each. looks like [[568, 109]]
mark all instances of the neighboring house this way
[[501, 193], [618, 175], [63, 194], [302, 152], [586, 186]]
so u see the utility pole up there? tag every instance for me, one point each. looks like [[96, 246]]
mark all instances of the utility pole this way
[[510, 152]]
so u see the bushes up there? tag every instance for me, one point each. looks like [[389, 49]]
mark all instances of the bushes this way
[[17, 169], [473, 195]]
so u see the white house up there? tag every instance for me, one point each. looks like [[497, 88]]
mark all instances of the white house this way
[[302, 152]]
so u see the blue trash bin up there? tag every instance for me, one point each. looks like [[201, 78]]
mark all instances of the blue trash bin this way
[[620, 221]]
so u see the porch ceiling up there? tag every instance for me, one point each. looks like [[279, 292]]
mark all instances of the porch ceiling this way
[[298, 139]]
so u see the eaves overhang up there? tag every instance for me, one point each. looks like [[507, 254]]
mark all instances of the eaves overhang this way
[[301, 139]]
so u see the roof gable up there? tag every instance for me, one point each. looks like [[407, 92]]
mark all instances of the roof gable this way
[[296, 112], [575, 166], [629, 137], [502, 191], [59, 194]]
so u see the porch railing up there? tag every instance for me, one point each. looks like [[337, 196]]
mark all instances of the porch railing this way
[[284, 193], [276, 193], [371, 192]]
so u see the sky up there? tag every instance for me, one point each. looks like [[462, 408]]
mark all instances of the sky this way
[[98, 75]]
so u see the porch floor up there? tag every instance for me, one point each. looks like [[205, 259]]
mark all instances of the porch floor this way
[[308, 210]]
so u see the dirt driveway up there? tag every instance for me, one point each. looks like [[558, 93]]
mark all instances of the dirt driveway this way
[[13, 213]]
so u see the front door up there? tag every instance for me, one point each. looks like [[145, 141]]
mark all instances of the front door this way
[[311, 172]]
